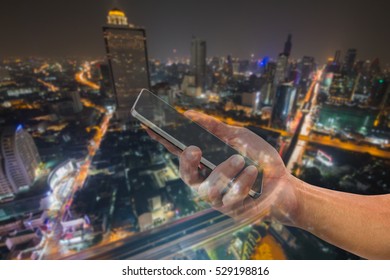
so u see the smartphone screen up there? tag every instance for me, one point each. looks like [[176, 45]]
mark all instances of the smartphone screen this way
[[182, 132]]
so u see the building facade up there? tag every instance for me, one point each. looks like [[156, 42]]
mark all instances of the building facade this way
[[19, 160], [198, 62], [283, 105], [128, 62]]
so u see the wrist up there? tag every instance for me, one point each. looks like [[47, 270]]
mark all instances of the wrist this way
[[288, 205]]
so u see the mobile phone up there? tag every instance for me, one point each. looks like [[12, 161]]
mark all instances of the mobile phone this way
[[180, 131]]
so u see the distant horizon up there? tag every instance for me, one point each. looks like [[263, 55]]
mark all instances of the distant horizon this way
[[44, 28], [166, 60]]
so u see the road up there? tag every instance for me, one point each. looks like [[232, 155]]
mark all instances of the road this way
[[50, 86], [52, 245], [169, 240], [81, 78], [304, 130], [349, 146]]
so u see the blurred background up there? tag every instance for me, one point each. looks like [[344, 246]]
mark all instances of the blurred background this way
[[79, 177]]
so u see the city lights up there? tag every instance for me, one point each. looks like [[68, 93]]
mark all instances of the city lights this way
[[80, 178]]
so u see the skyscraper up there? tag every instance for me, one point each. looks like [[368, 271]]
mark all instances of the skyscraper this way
[[282, 62], [334, 64], [281, 69], [283, 105], [6, 191], [336, 58], [340, 89], [288, 46], [19, 160], [198, 62], [349, 61], [128, 61], [307, 67]]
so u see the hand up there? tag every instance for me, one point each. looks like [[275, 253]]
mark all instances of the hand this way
[[278, 199]]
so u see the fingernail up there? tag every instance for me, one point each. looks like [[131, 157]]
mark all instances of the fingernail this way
[[216, 203], [236, 160], [251, 170], [192, 153]]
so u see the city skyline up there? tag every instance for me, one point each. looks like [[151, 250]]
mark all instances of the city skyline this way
[[240, 29], [81, 179]]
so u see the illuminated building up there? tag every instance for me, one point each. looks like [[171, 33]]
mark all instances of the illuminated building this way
[[282, 63], [116, 17], [334, 63], [4, 75], [251, 100], [128, 62], [307, 67], [266, 91], [229, 66], [336, 118], [340, 90], [6, 192], [105, 83], [283, 105], [281, 69], [270, 70], [20, 159], [188, 86], [378, 91], [198, 62]]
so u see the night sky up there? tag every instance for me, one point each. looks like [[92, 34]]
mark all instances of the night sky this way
[[73, 27]]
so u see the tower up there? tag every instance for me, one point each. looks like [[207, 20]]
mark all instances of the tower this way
[[116, 17], [128, 62], [198, 62], [288, 46]]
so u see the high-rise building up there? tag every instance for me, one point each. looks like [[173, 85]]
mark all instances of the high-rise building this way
[[307, 67], [281, 69], [128, 61], [20, 160], [340, 90], [288, 46], [105, 83], [282, 62], [6, 192], [198, 62], [266, 93], [349, 61], [336, 58], [283, 105], [270, 70]]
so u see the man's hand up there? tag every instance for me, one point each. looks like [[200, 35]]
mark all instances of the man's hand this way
[[231, 196]]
